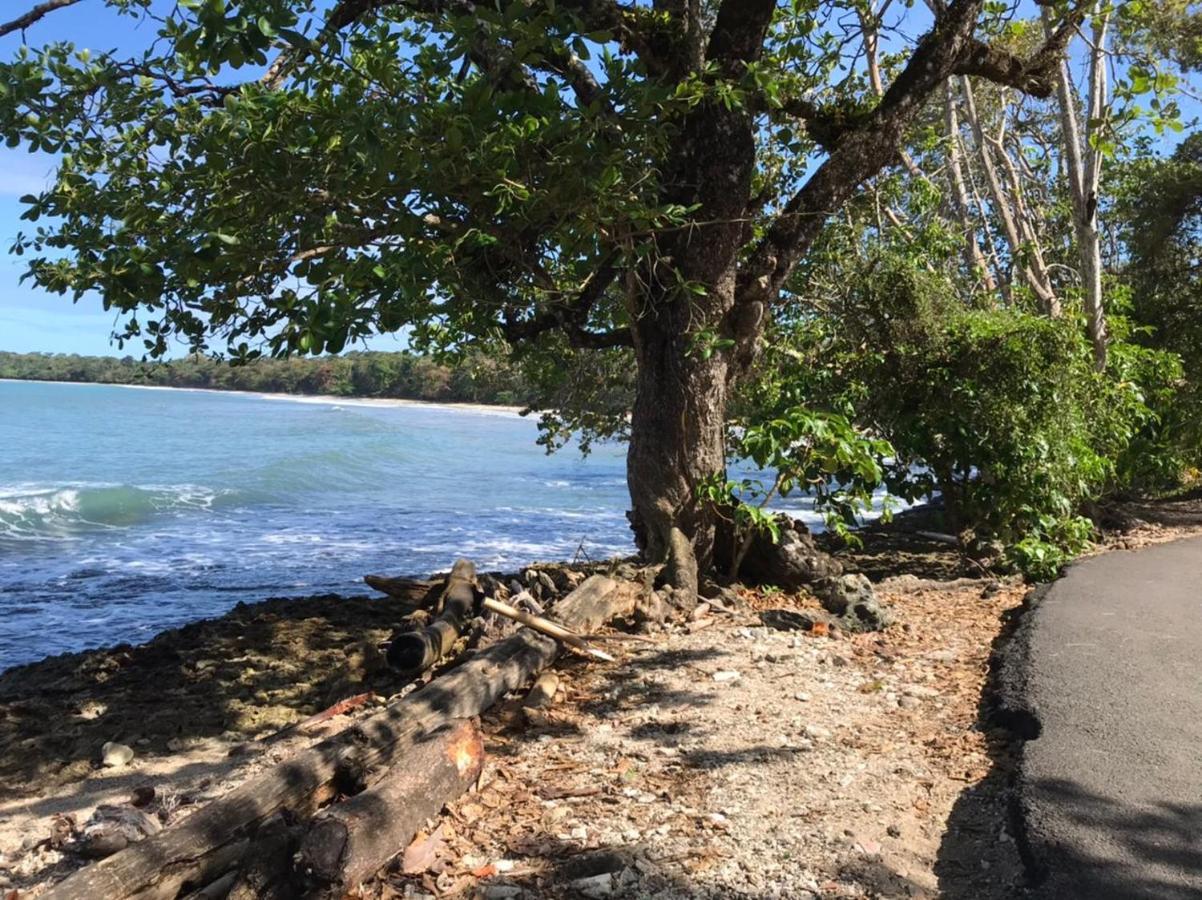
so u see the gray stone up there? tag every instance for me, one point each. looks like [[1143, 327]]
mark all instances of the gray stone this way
[[595, 886], [853, 599], [114, 755], [502, 892]]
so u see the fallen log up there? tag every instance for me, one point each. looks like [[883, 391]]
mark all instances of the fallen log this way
[[348, 842], [416, 651], [202, 847], [419, 592], [267, 865], [547, 627]]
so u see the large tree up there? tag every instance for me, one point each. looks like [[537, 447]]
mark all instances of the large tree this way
[[288, 176]]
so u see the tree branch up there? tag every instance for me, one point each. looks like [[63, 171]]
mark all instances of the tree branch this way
[[572, 316], [596, 15], [867, 144], [38, 12], [1035, 75]]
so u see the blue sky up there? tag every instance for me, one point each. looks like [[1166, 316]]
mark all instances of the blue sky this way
[[31, 319]]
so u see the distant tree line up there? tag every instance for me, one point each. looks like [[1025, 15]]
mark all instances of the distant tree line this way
[[400, 375]]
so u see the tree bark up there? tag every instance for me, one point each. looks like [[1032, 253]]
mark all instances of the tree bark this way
[[685, 339], [1036, 277], [974, 259], [349, 842], [1083, 169]]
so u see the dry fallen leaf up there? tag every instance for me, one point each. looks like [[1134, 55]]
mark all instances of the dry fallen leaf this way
[[423, 852]]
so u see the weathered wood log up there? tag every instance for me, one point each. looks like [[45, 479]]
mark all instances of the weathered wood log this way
[[208, 843], [547, 627], [265, 871], [348, 842], [419, 592], [415, 651]]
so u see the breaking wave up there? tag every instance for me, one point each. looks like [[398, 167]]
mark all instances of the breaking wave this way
[[32, 513]]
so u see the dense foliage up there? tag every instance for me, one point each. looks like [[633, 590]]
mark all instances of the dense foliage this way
[[406, 376]]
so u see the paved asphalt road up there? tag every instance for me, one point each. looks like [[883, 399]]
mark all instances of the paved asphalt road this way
[[1110, 664]]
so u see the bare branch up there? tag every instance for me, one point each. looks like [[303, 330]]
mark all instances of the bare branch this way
[[38, 12], [570, 317], [1036, 75]]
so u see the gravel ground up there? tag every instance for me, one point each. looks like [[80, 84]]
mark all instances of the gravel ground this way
[[742, 761]]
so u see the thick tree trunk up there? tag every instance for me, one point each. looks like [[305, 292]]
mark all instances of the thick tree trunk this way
[[677, 441], [686, 339]]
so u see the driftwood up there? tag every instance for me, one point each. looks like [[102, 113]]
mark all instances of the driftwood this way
[[265, 869], [419, 592], [547, 627], [415, 651], [207, 844], [349, 842]]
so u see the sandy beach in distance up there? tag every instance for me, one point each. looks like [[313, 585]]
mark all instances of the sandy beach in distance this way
[[323, 399]]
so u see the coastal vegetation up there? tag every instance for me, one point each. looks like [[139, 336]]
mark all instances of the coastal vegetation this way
[[400, 375], [941, 252]]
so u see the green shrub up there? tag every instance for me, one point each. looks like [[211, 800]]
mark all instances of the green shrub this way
[[998, 411]]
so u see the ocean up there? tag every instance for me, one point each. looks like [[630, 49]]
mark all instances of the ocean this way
[[125, 511]]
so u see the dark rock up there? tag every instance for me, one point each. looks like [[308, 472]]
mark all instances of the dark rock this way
[[652, 608], [793, 620], [853, 599], [100, 844], [792, 563]]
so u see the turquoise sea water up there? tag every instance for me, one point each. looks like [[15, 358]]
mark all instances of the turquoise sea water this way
[[125, 511]]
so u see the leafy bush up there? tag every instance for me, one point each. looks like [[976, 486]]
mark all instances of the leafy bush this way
[[998, 411], [810, 452]]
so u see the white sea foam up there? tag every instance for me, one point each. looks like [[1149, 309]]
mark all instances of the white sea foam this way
[[30, 512]]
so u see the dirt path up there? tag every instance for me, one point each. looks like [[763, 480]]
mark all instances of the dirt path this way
[[743, 761]]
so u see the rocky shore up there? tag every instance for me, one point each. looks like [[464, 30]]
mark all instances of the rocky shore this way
[[753, 752]]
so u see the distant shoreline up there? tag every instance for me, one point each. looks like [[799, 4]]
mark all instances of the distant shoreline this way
[[323, 399]]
